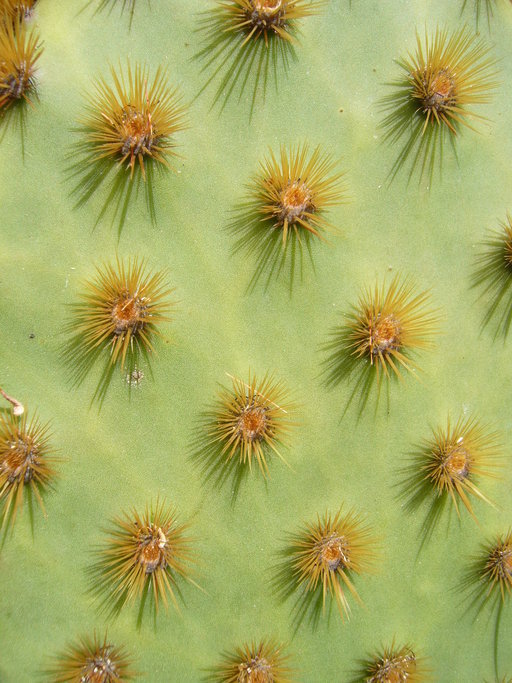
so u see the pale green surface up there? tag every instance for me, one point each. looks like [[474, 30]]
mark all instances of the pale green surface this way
[[133, 451]]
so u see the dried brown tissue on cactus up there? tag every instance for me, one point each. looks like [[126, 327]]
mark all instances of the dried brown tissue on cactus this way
[[394, 664], [144, 557], [379, 336], [265, 661], [248, 424], [20, 51], [441, 83], [248, 40], [324, 556], [117, 321], [26, 463], [284, 208], [91, 660]]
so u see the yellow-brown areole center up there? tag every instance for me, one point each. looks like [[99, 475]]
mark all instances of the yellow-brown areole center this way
[[252, 423], [439, 90], [152, 546], [127, 312], [257, 670], [136, 132], [294, 202], [17, 463], [266, 5], [266, 14], [385, 335], [457, 462], [99, 668], [334, 552]]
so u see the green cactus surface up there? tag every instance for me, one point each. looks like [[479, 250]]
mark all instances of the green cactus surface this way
[[236, 317]]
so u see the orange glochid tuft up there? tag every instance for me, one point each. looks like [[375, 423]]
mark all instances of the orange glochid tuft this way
[[440, 84], [134, 120], [388, 324], [394, 665], [121, 311], [262, 19], [251, 420], [456, 456], [26, 463], [292, 191], [263, 662], [20, 51], [496, 570], [143, 555], [327, 553], [91, 660], [447, 74]]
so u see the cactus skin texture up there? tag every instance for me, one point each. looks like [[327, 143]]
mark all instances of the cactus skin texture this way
[[155, 433]]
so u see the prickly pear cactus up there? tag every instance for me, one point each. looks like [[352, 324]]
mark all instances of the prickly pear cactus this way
[[151, 456]]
